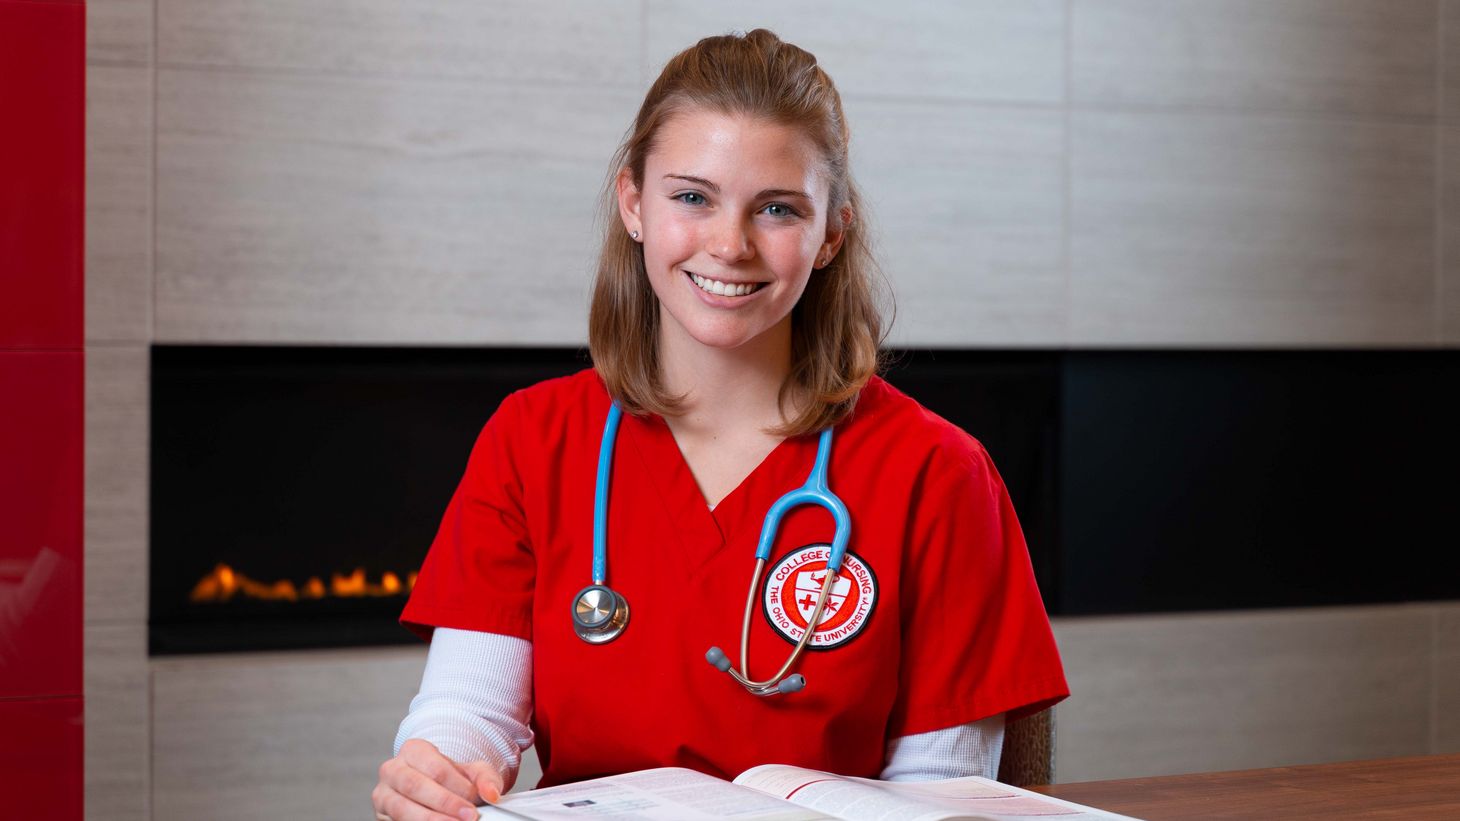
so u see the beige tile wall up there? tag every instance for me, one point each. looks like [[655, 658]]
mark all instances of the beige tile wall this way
[[372, 209], [118, 236], [1449, 151], [969, 50], [276, 735], [1152, 695], [1349, 57], [118, 203], [1209, 229], [1093, 172], [540, 42], [1448, 285], [1450, 57], [1445, 702], [1107, 173], [1156, 695]]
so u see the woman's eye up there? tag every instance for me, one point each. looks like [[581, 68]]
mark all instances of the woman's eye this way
[[777, 209], [691, 198]]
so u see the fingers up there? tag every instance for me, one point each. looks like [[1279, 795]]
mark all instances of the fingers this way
[[397, 807], [409, 789], [423, 757], [486, 780]]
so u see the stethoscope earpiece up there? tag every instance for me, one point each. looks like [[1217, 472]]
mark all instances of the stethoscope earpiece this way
[[717, 659]]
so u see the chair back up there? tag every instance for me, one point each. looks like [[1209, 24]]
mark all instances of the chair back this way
[[1028, 756]]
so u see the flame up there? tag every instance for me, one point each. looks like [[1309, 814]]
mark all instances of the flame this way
[[348, 586], [223, 584]]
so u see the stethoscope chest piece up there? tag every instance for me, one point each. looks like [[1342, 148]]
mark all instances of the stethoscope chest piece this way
[[599, 614]]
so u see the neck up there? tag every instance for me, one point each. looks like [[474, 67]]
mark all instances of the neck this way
[[726, 389]]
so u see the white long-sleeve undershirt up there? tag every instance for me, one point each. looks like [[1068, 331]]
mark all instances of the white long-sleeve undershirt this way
[[476, 700]]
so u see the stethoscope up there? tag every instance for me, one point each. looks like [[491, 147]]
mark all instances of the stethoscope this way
[[601, 613]]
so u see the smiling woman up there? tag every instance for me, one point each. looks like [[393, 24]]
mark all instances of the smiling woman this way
[[729, 260], [734, 333]]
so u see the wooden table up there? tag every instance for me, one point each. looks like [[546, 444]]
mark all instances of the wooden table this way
[[1419, 787]]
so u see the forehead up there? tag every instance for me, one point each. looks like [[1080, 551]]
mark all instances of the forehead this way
[[731, 149]]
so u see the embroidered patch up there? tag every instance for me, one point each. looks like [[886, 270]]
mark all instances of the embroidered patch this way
[[793, 585]]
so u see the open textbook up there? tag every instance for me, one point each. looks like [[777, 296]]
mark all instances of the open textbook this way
[[777, 792]]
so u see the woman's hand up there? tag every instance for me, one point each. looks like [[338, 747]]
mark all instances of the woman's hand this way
[[421, 784]]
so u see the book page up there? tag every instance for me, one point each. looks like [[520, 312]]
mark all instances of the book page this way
[[950, 800], [669, 793]]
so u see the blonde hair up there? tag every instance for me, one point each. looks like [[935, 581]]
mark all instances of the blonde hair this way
[[837, 326]]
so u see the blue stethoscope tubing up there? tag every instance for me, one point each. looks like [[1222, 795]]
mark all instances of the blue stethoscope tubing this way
[[600, 614]]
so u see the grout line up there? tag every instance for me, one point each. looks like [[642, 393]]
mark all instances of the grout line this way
[[1438, 295], [105, 62], [46, 696], [149, 793], [9, 349], [151, 263], [644, 45], [504, 81], [1441, 127], [1432, 684], [1067, 200]]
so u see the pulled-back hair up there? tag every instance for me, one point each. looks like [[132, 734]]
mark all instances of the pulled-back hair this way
[[837, 326]]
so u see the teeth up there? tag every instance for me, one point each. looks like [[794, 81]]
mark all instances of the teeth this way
[[715, 286]]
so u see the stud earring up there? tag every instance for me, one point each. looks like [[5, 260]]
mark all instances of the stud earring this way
[[634, 234]]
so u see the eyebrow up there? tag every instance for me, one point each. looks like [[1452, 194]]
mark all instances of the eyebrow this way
[[769, 192]]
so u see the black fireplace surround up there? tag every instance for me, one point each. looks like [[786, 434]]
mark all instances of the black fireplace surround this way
[[1145, 481]]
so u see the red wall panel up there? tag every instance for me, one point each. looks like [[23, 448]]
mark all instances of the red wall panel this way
[[42, 155], [40, 523], [43, 775], [42, 397]]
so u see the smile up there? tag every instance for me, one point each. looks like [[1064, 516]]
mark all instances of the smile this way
[[715, 286]]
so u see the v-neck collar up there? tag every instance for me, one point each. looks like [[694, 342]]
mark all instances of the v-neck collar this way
[[705, 532]]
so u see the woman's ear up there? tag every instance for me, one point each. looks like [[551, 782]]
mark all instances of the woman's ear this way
[[836, 234], [628, 202]]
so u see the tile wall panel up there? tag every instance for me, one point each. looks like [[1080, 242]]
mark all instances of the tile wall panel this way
[[1157, 695], [1448, 298], [117, 722], [561, 41], [223, 748], [119, 31], [1374, 58], [967, 205], [330, 209], [1445, 736], [118, 203], [116, 484], [983, 50], [1196, 229], [1450, 54]]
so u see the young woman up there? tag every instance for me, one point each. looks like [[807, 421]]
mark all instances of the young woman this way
[[734, 335]]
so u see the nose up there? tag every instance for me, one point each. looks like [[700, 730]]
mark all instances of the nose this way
[[729, 241]]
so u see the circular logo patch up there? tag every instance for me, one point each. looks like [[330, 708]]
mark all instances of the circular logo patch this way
[[793, 585]]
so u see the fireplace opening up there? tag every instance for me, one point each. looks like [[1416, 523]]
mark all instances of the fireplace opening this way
[[295, 491]]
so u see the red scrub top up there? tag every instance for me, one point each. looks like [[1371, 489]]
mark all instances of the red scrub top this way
[[937, 620]]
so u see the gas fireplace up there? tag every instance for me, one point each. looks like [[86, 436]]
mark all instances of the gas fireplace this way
[[295, 491]]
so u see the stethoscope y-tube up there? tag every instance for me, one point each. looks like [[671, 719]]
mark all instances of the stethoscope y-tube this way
[[600, 614]]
